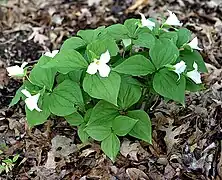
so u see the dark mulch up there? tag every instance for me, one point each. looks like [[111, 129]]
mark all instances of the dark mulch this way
[[186, 141]]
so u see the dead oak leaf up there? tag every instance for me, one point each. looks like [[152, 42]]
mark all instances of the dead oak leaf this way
[[128, 149], [136, 174], [171, 133]]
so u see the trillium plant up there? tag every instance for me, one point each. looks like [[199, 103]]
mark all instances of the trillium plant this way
[[105, 81]]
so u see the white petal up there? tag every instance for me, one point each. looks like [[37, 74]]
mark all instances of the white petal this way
[[55, 52], [26, 93], [15, 71], [32, 103], [51, 55], [195, 76], [180, 68], [194, 44], [104, 58], [143, 18], [92, 68], [150, 24], [23, 65], [147, 22], [173, 20], [195, 66], [104, 70]]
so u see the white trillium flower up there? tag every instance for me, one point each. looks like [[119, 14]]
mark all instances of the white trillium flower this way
[[16, 71], [51, 54], [195, 75], [194, 44], [100, 65], [179, 68], [31, 101], [173, 20], [147, 22]]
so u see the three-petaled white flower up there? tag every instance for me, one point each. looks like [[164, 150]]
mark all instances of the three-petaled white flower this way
[[31, 101], [179, 68], [194, 44], [100, 65], [173, 20], [194, 74], [147, 22], [51, 54], [16, 71]]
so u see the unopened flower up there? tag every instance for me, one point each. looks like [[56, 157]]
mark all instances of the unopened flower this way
[[100, 65], [173, 20], [194, 74], [194, 44], [179, 68], [51, 54], [31, 101], [147, 22], [16, 71]]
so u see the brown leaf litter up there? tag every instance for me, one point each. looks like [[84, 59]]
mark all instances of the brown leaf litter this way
[[186, 141]]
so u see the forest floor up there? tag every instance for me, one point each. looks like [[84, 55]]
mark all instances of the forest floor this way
[[187, 142]]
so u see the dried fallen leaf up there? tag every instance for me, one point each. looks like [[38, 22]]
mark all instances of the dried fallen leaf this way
[[4, 79], [131, 150], [138, 4], [219, 165], [63, 146], [172, 132], [93, 2], [50, 163], [38, 37], [87, 152], [136, 174]]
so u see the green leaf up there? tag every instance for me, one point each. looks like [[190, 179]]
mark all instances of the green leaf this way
[[169, 35], [34, 117], [103, 114], [73, 43], [136, 65], [163, 52], [64, 97], [192, 86], [190, 57], [98, 133], [111, 146], [184, 35], [118, 31], [143, 128], [41, 76], [74, 119], [166, 83], [122, 125], [67, 60], [102, 45], [26, 85], [83, 136], [15, 158], [145, 38], [131, 25], [103, 88], [73, 76], [130, 92], [88, 115], [90, 35], [17, 96]]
